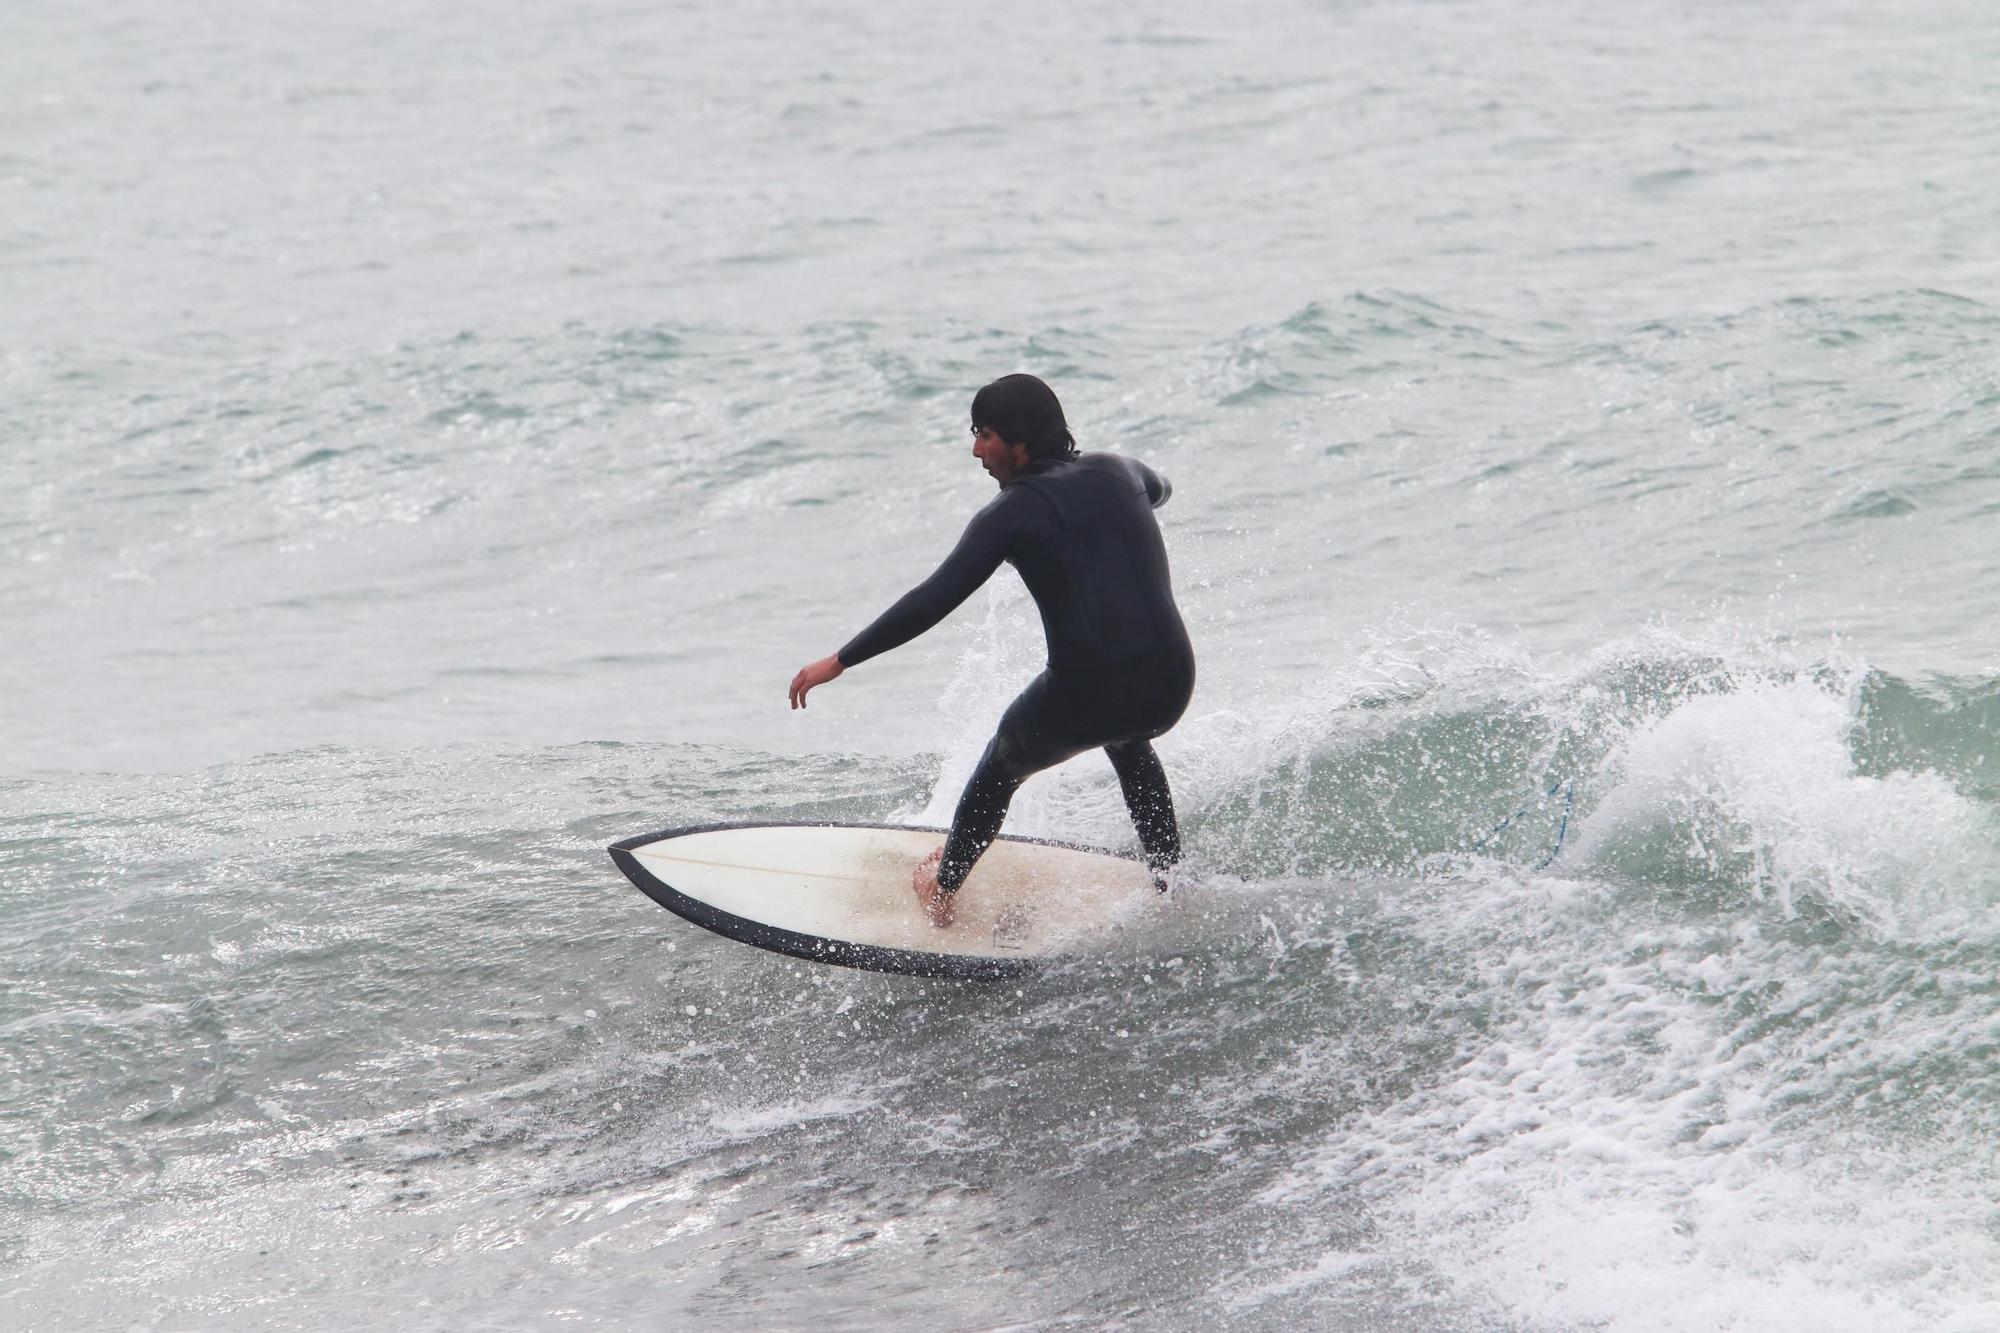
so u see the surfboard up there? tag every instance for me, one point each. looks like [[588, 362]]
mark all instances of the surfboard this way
[[840, 893]]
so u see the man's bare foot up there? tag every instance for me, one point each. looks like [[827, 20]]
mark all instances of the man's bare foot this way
[[935, 902]]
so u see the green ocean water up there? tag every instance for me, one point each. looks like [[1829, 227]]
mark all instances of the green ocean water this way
[[430, 440]]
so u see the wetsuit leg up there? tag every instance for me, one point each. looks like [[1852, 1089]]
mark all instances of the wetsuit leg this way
[[982, 808], [1151, 803], [1052, 722], [1038, 731]]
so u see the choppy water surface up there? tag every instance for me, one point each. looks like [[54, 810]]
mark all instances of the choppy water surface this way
[[429, 441]]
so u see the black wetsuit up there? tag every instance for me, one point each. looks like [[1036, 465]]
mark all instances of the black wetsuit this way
[[1080, 531]]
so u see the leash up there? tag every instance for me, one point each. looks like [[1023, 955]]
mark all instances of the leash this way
[[1568, 789]]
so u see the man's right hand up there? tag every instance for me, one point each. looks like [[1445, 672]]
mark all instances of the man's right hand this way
[[814, 673]]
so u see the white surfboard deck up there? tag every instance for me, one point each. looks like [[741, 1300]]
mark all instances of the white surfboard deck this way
[[840, 893]]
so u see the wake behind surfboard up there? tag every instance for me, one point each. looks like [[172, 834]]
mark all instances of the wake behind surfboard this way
[[840, 893]]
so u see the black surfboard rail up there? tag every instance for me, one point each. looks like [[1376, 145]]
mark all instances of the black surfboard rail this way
[[817, 948]]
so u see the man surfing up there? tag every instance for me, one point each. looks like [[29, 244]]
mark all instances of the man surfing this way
[[1079, 530]]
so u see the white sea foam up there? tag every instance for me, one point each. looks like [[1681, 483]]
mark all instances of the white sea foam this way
[[1756, 784]]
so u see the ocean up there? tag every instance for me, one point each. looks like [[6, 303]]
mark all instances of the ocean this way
[[431, 436]]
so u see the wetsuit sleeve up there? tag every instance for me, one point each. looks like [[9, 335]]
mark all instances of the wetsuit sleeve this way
[[978, 553], [1158, 489]]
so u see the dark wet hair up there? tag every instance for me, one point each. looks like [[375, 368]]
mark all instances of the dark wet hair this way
[[1022, 410]]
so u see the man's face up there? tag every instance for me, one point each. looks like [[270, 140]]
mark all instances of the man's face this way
[[1003, 461]]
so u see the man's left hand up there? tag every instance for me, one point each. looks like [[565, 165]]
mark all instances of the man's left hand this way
[[814, 673]]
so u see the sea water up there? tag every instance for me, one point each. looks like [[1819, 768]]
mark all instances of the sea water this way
[[431, 436]]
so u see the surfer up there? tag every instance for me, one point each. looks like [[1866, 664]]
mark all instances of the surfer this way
[[1079, 529]]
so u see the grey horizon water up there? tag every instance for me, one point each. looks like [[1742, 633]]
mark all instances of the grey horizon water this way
[[431, 437]]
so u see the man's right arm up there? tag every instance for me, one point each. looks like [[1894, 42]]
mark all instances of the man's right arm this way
[[978, 553], [1158, 489]]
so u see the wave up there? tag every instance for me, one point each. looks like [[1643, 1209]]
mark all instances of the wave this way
[[1727, 1050], [1707, 776], [1725, 1057]]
